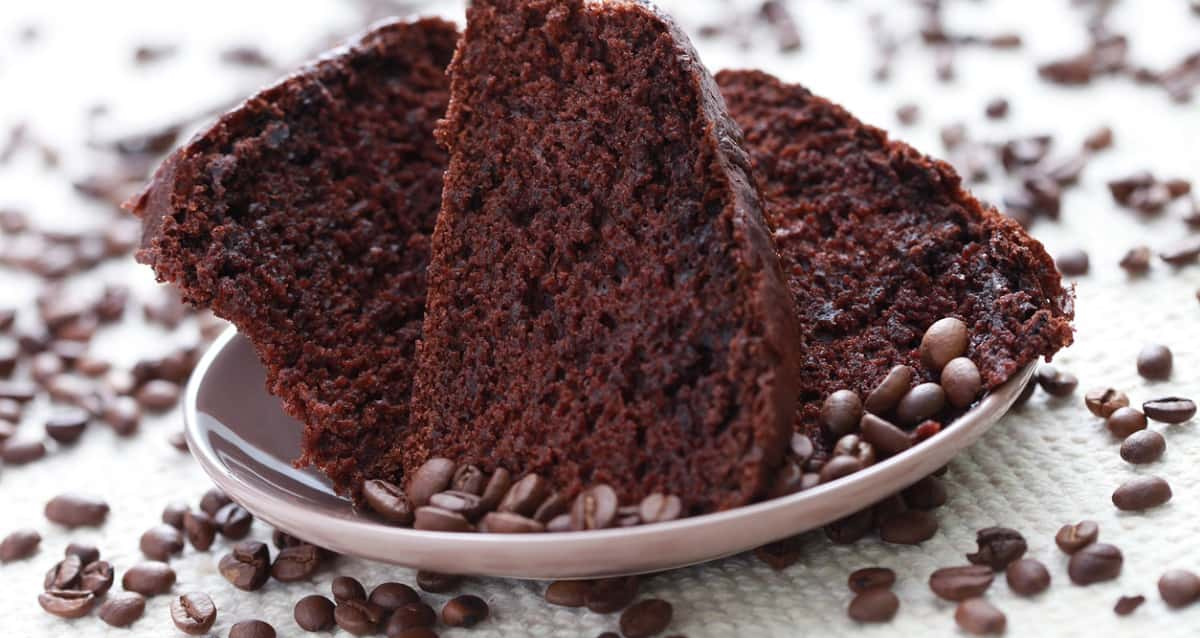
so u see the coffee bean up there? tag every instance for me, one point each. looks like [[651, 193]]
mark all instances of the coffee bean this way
[[946, 339], [296, 563], [469, 479], [1125, 421], [861, 580], [1141, 493], [18, 391], [568, 593], [64, 574], [22, 452], [1154, 362], [157, 395], [389, 501], [509, 523], [97, 577], [659, 507], [921, 402], [1128, 604], [252, 629], [1072, 538], [841, 412], [67, 603], [437, 519], [437, 582], [233, 522], [390, 596], [122, 414], [1179, 588], [464, 611], [840, 466], [248, 566], [1027, 577], [978, 617], [594, 508], [347, 588], [1073, 263], [907, 113], [19, 545], [883, 436], [851, 528], [961, 583], [1182, 252], [432, 477], [411, 616], [358, 617], [888, 393], [781, 554], [121, 610], [496, 489], [909, 528], [314, 613], [67, 425], [76, 510], [174, 513], [1137, 260], [926, 494], [1102, 402], [874, 605], [646, 618], [149, 578], [193, 613], [464, 503], [161, 542], [609, 595], [996, 108], [961, 382], [1145, 446], [213, 500], [854, 445], [1095, 563], [526, 495], [998, 546], [1170, 409], [200, 529]]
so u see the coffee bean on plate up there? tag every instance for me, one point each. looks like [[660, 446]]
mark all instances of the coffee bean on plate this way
[[1125, 421], [1027, 576], [432, 477], [76, 510], [1102, 402], [161, 542], [464, 503], [347, 588], [1170, 409], [465, 611], [658, 507], [860, 580], [886, 438], [248, 566], [1072, 538], [646, 618], [998, 546], [874, 605], [296, 563], [389, 501], [568, 593], [509, 523], [67, 603], [978, 617], [921, 402], [495, 490], [1145, 446], [1154, 362], [909, 528], [193, 613], [149, 578], [97, 577], [841, 412], [855, 446], [233, 521], [200, 530], [213, 500], [961, 382], [594, 508], [437, 582], [961, 583], [19, 545], [436, 519], [888, 393], [526, 495], [358, 617], [314, 613], [1141, 493], [946, 339], [252, 629], [609, 595], [840, 466], [122, 609], [1095, 563], [1179, 587], [1128, 604]]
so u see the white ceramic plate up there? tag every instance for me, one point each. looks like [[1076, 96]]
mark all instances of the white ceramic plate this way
[[246, 443]]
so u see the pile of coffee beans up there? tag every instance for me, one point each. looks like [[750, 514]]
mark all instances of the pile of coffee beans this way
[[394, 609]]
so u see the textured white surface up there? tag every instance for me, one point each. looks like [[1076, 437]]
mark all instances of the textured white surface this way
[[1046, 465]]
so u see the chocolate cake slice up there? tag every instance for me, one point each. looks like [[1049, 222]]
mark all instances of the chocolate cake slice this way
[[605, 303], [304, 217], [879, 241]]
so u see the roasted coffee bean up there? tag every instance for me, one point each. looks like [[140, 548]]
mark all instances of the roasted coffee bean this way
[[1099, 139], [1145, 446], [802, 447], [295, 563], [67, 425], [465, 611], [1136, 260], [1027, 576], [851, 528], [432, 477], [840, 466], [1095, 563], [855, 446], [14, 452], [1102, 402], [781, 554], [886, 508], [1072, 263], [888, 393], [76, 510], [1182, 252], [463, 503], [861, 580], [347, 588], [961, 382], [926, 494], [1072, 538], [96, 577], [946, 339], [314, 613], [594, 508], [18, 391], [886, 438], [67, 603], [1141, 493], [509, 523], [157, 395], [658, 507], [496, 489], [122, 414], [1170, 409], [841, 412], [358, 617], [64, 574], [19, 545], [469, 479], [998, 546], [609, 595], [213, 500], [1155, 362], [193, 613], [907, 113], [873, 605], [149, 578], [437, 582], [978, 617], [121, 610], [392, 596], [909, 528], [233, 522], [248, 566], [1125, 421], [200, 530], [45, 366], [161, 542], [389, 501], [646, 618], [961, 583], [411, 616], [252, 629], [1128, 604], [554, 505], [1179, 588], [174, 513], [996, 108], [568, 593], [526, 495], [921, 402], [436, 519]]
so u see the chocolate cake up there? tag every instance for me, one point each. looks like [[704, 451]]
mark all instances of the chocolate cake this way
[[879, 241], [304, 217], [605, 303]]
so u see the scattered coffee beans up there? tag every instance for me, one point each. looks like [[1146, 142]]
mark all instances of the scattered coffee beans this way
[[411, 616], [861, 580], [252, 629], [436, 582], [248, 566], [1102, 402], [213, 500], [295, 563], [67, 603], [87, 553], [1072, 538], [1137, 260], [314, 613], [1125, 421], [76, 510], [609, 595], [149, 578], [1145, 446], [874, 605], [568, 593], [998, 546], [908, 528], [1155, 361], [391, 596], [14, 452], [358, 617], [121, 610], [978, 617], [193, 613], [646, 618], [347, 588], [67, 425], [200, 530], [926, 494], [465, 611], [1179, 588], [1128, 604], [961, 583], [946, 339], [97, 577], [1073, 263], [19, 545], [174, 513], [1141, 493], [1095, 563], [161, 542], [1027, 577], [233, 521], [1170, 409]]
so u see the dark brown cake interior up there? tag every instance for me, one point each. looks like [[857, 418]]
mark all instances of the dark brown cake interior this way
[[304, 217], [605, 304], [879, 241]]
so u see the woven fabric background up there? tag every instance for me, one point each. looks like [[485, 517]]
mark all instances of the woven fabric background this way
[[1045, 465]]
